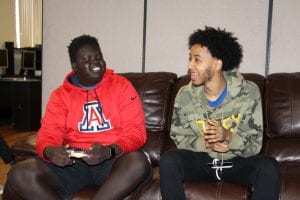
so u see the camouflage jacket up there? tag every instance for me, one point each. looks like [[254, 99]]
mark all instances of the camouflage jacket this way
[[240, 112]]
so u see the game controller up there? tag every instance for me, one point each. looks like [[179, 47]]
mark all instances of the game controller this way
[[76, 152]]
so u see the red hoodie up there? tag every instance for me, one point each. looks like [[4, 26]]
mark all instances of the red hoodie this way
[[110, 113]]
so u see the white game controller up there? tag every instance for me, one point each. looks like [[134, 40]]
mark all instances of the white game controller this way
[[76, 153]]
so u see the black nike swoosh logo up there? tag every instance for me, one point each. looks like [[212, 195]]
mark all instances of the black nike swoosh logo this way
[[133, 98]]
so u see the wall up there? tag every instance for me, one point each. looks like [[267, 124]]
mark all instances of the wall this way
[[7, 22], [119, 27], [172, 21], [285, 40], [117, 24]]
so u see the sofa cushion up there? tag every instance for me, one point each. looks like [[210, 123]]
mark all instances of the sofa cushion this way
[[290, 183], [24, 148]]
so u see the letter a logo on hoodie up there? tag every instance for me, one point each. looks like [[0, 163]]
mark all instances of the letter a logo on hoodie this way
[[93, 119]]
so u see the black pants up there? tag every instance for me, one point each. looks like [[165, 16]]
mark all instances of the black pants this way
[[177, 166], [5, 152]]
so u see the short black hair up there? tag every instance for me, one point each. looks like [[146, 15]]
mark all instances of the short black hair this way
[[78, 42], [221, 44]]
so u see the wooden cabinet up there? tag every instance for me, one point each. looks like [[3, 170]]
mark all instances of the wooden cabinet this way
[[26, 104], [5, 102], [25, 95]]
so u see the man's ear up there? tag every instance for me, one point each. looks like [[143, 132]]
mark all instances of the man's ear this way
[[74, 67], [218, 64]]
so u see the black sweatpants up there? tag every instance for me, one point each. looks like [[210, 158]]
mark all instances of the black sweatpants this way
[[177, 166]]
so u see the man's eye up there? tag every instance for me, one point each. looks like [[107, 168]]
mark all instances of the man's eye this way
[[85, 58], [197, 60]]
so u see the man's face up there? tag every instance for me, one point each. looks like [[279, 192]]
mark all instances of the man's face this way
[[201, 65], [89, 65]]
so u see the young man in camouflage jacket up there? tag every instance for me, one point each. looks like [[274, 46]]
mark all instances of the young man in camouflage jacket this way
[[217, 123]]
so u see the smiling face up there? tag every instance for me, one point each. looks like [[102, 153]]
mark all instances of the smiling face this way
[[202, 66], [89, 65]]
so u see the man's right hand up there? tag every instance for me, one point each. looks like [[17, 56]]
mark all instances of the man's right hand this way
[[58, 155], [217, 146]]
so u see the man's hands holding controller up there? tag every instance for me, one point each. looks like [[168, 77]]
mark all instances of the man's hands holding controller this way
[[97, 154], [216, 137], [64, 156]]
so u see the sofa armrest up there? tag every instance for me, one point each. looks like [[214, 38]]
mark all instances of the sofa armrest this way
[[154, 145], [24, 148]]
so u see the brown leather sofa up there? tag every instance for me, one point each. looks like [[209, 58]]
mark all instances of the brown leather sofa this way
[[281, 104]]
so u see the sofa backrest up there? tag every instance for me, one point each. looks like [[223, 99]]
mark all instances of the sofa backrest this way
[[282, 117], [154, 89], [258, 79], [157, 90]]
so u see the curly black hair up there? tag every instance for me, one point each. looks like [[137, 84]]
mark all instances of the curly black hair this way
[[78, 42], [221, 44]]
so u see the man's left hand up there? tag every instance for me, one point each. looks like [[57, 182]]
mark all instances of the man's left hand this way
[[96, 154], [214, 132], [218, 147]]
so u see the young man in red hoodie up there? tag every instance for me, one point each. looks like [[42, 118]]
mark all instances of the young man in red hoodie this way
[[91, 133]]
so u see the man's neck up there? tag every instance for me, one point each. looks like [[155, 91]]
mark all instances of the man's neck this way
[[214, 88]]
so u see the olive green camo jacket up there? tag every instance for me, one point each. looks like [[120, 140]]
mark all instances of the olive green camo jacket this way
[[240, 112]]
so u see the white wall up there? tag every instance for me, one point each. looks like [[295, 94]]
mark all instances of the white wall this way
[[119, 26], [7, 22], [170, 22], [285, 39]]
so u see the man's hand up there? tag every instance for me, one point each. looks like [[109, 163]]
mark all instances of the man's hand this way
[[218, 147], [58, 155], [214, 132], [96, 154], [216, 137]]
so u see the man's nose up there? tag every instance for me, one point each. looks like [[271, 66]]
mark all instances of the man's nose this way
[[191, 64]]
